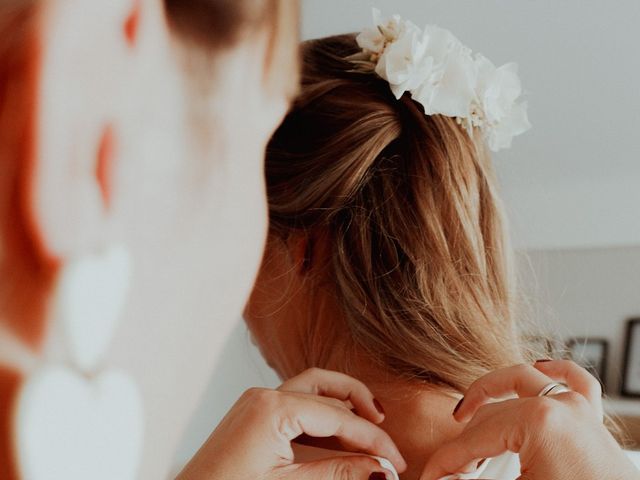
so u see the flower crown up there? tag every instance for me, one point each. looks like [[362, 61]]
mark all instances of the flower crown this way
[[443, 76]]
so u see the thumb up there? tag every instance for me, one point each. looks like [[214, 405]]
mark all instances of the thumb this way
[[355, 467]]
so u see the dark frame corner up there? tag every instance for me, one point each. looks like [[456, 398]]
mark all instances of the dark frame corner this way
[[624, 387]]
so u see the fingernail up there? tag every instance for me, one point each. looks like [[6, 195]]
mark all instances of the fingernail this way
[[471, 467], [378, 406], [388, 468], [543, 360], [458, 405], [378, 476]]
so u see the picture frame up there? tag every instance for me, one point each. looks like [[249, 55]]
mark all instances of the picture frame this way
[[630, 386], [591, 354]]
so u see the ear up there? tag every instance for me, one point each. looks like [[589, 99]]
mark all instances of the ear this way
[[310, 250], [87, 52], [301, 251]]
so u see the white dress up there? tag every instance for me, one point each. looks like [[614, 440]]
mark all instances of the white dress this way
[[507, 467], [504, 467]]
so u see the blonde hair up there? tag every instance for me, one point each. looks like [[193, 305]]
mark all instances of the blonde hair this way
[[419, 258]]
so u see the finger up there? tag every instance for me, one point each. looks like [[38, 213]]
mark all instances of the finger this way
[[333, 402], [340, 386], [497, 434], [577, 379], [521, 380], [340, 468], [297, 415]]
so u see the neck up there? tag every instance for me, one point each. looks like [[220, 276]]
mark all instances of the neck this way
[[418, 416], [419, 420]]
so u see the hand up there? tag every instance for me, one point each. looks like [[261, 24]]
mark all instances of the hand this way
[[254, 440], [557, 437]]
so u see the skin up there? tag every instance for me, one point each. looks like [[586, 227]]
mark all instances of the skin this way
[[255, 439], [276, 315], [557, 436], [169, 183], [500, 412]]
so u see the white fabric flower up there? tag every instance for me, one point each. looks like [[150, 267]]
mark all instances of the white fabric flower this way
[[405, 63], [498, 91], [449, 89], [374, 40], [441, 74]]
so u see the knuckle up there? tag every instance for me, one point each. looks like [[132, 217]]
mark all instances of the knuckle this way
[[595, 387], [262, 398], [252, 393], [478, 399], [336, 403], [545, 413], [475, 392], [484, 411], [574, 397], [354, 468], [288, 426], [522, 368], [379, 441], [345, 471], [484, 392], [577, 401], [314, 372]]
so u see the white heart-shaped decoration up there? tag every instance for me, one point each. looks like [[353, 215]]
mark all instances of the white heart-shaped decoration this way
[[91, 294], [76, 429]]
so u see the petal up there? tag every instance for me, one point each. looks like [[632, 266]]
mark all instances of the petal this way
[[424, 95], [518, 120], [486, 71], [370, 40], [500, 136], [455, 91], [508, 82]]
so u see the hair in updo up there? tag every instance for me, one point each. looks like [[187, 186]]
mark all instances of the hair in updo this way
[[419, 259]]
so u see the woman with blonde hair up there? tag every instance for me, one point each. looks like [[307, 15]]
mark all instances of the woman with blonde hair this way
[[388, 260]]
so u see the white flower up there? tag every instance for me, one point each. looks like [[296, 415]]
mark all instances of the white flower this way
[[374, 40], [449, 89], [405, 63], [441, 74], [498, 92]]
